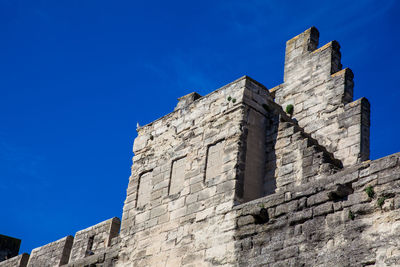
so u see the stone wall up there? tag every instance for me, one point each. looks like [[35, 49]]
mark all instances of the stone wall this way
[[17, 261], [299, 158], [329, 222], [53, 254], [94, 240], [183, 182], [192, 166], [322, 95], [231, 179]]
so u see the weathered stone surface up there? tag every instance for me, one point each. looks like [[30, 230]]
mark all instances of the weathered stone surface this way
[[17, 261], [94, 240], [230, 179], [53, 254]]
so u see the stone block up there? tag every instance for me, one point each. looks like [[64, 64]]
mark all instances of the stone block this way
[[16, 261], [53, 254], [317, 199], [300, 216], [323, 209]]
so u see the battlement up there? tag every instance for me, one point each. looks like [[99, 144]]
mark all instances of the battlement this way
[[322, 96], [235, 178]]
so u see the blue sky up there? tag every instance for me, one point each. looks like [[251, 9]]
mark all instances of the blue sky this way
[[76, 76]]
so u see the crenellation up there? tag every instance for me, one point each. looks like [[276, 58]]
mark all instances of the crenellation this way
[[53, 254], [321, 91], [232, 179], [94, 240], [20, 260]]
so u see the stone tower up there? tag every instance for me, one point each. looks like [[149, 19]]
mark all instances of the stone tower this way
[[232, 179]]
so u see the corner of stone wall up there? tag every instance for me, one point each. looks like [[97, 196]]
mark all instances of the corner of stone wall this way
[[353, 146], [322, 95], [18, 261], [300, 45], [53, 254], [337, 215], [94, 239]]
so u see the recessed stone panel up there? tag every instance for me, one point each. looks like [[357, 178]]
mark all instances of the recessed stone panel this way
[[214, 160], [177, 176], [145, 188]]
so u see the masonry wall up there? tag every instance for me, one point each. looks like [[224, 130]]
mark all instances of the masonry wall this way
[[190, 168], [230, 179], [18, 261], [299, 157], [94, 240], [98, 244], [322, 95], [182, 184], [53, 254], [329, 222]]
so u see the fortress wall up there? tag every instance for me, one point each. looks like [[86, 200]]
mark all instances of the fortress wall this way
[[259, 131], [94, 239], [183, 182], [95, 244], [299, 158], [329, 222], [231, 179], [17, 261], [190, 167], [277, 149], [53, 254], [322, 94]]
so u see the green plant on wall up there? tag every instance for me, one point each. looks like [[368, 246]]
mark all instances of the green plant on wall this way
[[381, 201], [229, 98], [370, 191], [290, 109], [351, 215]]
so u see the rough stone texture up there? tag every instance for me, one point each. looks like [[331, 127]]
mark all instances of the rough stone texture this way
[[310, 228], [230, 179], [17, 261], [192, 154], [9, 247], [53, 254], [322, 95], [94, 240]]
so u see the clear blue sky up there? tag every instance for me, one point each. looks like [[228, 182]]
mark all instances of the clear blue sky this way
[[76, 76]]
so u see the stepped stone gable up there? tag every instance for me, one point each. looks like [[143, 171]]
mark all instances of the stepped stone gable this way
[[231, 179]]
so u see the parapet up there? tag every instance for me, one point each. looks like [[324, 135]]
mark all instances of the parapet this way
[[95, 239], [16, 261], [349, 218], [322, 95], [235, 178], [186, 100], [53, 254], [95, 244]]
